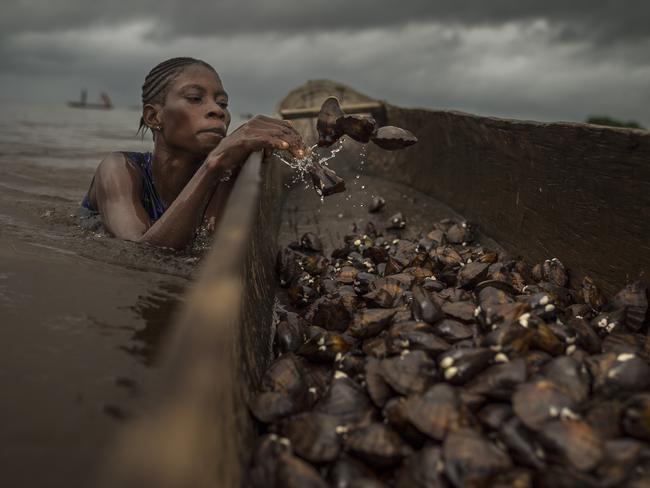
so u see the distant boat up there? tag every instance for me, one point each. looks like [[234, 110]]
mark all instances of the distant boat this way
[[83, 103]]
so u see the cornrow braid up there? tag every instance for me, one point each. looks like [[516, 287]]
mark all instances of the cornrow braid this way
[[160, 77]]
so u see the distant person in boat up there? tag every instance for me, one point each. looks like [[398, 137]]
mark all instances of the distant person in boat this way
[[162, 197]]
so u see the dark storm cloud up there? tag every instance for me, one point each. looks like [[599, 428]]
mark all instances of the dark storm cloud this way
[[602, 20], [544, 60]]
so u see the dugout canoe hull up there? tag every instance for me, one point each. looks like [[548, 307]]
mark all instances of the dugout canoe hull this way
[[577, 192]]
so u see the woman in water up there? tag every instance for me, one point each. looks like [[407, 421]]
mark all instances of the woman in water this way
[[162, 197]]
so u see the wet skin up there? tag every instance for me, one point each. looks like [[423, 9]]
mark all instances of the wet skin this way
[[192, 152]]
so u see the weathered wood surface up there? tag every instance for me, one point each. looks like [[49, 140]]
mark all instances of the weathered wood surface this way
[[198, 431], [577, 192]]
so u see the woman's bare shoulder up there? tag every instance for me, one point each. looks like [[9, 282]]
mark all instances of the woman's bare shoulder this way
[[115, 174]]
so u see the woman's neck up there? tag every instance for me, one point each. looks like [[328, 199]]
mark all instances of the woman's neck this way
[[171, 171]]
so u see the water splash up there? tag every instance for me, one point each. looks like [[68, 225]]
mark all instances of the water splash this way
[[301, 166]]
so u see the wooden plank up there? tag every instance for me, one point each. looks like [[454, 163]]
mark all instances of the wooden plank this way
[[351, 108]]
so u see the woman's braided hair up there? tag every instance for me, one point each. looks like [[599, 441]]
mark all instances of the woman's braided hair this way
[[160, 77]]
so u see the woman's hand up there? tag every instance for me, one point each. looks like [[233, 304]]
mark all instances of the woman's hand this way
[[260, 132]]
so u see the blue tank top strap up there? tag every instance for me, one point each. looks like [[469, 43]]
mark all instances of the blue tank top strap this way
[[150, 199]]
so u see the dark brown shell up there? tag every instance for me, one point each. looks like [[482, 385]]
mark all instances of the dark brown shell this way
[[510, 339], [636, 417], [436, 412], [328, 132], [370, 322], [573, 442], [424, 308], [471, 460], [348, 472], [313, 436], [377, 444], [378, 390], [499, 381], [377, 204], [392, 138], [375, 346], [618, 373], [397, 221], [346, 401], [459, 233], [463, 311], [571, 376], [290, 334], [358, 127], [285, 375], [472, 274], [521, 444], [587, 338], [423, 469], [414, 339], [538, 401], [286, 266], [634, 298], [264, 466], [621, 457], [326, 181], [591, 294], [453, 331], [553, 271], [328, 313], [493, 415], [293, 472], [324, 347], [604, 417], [458, 366], [271, 406], [408, 373]]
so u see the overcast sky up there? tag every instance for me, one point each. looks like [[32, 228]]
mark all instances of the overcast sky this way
[[550, 60]]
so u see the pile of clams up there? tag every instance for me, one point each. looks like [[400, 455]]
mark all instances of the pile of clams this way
[[438, 363]]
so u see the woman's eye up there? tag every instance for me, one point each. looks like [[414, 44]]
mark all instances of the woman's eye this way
[[223, 105], [193, 99]]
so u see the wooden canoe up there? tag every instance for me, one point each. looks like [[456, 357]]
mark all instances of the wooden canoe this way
[[577, 192]]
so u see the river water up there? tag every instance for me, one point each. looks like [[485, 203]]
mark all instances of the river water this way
[[81, 313]]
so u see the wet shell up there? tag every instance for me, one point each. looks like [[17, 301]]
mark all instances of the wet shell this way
[[377, 204], [423, 469], [348, 472], [436, 412], [424, 308], [553, 271], [375, 346], [472, 274], [392, 138], [539, 401], [634, 298], [636, 417], [573, 442], [614, 374], [453, 331], [270, 406], [326, 182], [545, 340], [512, 339], [330, 112], [264, 466], [313, 436], [397, 221], [358, 127], [311, 242], [622, 342], [377, 444], [604, 417], [587, 338], [324, 347], [285, 375], [290, 334], [591, 294], [415, 340], [330, 314], [346, 401], [621, 457], [411, 372], [458, 366], [471, 460], [459, 233], [493, 415], [369, 322], [521, 444], [463, 311], [499, 381], [378, 390], [293, 472], [571, 376]]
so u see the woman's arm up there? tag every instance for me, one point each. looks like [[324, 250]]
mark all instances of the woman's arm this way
[[118, 186]]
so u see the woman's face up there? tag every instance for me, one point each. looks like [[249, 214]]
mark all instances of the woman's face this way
[[195, 116]]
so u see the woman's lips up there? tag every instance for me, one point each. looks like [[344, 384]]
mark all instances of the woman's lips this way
[[216, 131]]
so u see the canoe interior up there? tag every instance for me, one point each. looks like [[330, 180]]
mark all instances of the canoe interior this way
[[576, 192]]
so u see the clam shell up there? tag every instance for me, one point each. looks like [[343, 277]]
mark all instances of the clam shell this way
[[358, 127], [347, 401], [436, 412], [392, 138], [615, 374], [522, 447], [636, 417], [493, 415], [472, 274], [293, 472], [377, 444], [457, 366], [424, 308], [330, 112], [604, 417], [587, 338], [538, 401], [498, 382], [348, 472], [313, 436], [453, 331], [423, 469], [408, 373], [634, 298], [574, 442], [271, 406], [369, 322], [471, 460], [329, 313], [378, 390], [571, 376], [377, 204], [463, 311], [591, 294]]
